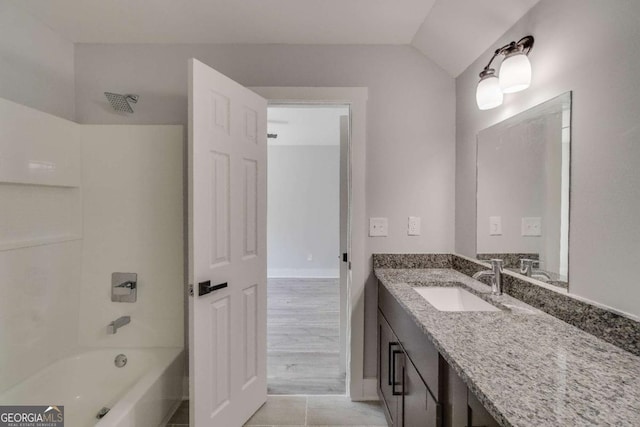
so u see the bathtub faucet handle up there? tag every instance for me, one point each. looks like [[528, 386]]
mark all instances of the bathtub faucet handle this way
[[124, 287], [129, 284]]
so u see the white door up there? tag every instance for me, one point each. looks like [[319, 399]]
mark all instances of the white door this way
[[227, 249]]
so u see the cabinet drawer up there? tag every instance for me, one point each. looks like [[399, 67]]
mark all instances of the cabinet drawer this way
[[420, 350]]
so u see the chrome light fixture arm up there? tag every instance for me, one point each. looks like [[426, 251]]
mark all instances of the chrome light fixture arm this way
[[523, 45]]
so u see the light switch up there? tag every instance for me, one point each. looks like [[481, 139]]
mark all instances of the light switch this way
[[413, 228], [378, 227], [532, 226], [495, 226]]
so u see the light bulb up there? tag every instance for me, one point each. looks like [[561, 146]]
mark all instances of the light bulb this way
[[515, 73], [488, 93]]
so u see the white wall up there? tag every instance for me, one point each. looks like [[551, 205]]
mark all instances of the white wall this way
[[132, 180], [40, 246], [304, 191], [589, 47], [303, 211], [410, 121], [36, 64]]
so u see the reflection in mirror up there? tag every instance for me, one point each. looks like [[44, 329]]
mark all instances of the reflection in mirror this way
[[523, 192]]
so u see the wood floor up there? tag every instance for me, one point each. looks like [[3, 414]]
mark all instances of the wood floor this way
[[303, 331]]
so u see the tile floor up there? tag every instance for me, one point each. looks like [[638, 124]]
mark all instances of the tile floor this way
[[305, 411]]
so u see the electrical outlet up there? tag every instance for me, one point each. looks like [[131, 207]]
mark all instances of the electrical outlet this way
[[495, 226], [413, 227], [378, 227], [531, 226]]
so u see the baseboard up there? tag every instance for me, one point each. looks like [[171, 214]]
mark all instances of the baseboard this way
[[370, 389], [300, 273]]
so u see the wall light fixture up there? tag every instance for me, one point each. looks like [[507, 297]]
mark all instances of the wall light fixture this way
[[515, 74]]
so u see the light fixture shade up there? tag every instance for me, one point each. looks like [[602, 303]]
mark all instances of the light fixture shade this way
[[488, 93], [515, 73]]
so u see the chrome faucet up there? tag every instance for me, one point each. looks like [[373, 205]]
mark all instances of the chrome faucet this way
[[117, 324], [496, 276], [527, 268]]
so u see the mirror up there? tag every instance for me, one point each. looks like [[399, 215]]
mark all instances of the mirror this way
[[522, 194]]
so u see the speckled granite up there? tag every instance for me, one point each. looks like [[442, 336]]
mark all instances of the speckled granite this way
[[466, 266], [412, 260], [511, 260], [611, 327], [526, 367]]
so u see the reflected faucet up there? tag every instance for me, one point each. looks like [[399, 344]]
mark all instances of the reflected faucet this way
[[496, 276], [117, 324], [527, 269]]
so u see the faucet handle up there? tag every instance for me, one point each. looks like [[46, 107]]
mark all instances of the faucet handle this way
[[497, 263]]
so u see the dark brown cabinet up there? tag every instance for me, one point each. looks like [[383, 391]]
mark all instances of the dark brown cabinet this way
[[387, 372], [416, 386], [478, 415], [406, 398], [419, 407]]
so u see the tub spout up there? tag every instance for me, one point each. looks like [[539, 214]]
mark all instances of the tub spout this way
[[117, 324]]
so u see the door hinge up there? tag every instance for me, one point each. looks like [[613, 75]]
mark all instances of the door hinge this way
[[190, 290], [345, 257]]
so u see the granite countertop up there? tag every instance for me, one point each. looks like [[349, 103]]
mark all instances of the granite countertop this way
[[527, 367]]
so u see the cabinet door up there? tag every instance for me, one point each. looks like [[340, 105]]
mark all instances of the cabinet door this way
[[387, 344], [419, 407], [478, 415]]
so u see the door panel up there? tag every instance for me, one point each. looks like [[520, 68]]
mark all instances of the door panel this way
[[227, 244], [387, 343], [420, 408], [220, 205], [250, 333], [220, 361], [250, 214]]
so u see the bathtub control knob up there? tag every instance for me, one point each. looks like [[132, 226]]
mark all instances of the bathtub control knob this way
[[120, 361]]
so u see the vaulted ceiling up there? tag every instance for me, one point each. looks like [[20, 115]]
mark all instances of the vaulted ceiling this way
[[453, 33]]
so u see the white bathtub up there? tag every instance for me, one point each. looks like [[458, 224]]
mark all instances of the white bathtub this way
[[143, 393]]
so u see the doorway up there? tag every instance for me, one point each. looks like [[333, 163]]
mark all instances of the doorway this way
[[307, 220]]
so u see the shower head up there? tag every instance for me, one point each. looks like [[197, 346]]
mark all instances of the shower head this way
[[121, 102]]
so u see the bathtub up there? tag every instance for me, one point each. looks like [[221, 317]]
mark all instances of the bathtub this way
[[143, 393]]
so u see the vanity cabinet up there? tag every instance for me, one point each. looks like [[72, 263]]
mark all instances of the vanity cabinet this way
[[406, 398], [416, 386], [388, 372]]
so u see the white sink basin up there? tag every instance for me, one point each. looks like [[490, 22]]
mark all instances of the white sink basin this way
[[453, 299]]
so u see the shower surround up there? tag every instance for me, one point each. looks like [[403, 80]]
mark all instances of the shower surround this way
[[80, 202]]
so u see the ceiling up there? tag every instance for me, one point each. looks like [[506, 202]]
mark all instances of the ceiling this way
[[456, 32], [451, 32]]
